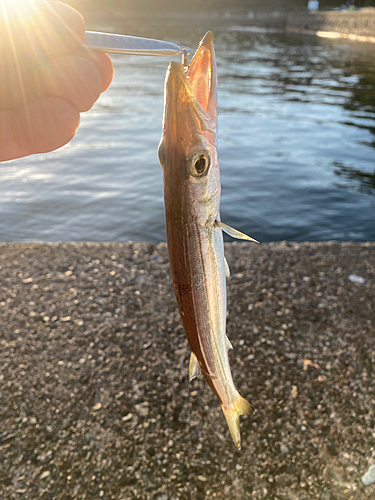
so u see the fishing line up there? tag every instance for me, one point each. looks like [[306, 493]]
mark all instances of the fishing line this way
[[185, 53]]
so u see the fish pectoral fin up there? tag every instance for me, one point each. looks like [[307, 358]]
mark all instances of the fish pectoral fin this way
[[232, 416], [227, 270], [229, 344], [194, 369], [233, 232]]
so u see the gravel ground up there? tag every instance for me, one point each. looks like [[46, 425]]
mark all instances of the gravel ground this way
[[94, 393]]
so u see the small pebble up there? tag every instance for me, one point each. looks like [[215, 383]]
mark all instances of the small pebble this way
[[142, 409], [291, 355], [127, 417], [369, 476], [97, 406], [202, 478], [356, 279]]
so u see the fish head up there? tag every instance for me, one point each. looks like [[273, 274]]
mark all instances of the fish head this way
[[188, 149]]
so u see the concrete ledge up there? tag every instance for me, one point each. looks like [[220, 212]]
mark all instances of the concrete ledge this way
[[94, 397], [354, 25]]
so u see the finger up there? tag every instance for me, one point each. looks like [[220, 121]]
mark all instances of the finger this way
[[68, 27], [104, 64], [73, 78], [49, 124]]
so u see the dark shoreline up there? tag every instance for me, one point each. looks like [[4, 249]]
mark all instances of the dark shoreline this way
[[94, 397]]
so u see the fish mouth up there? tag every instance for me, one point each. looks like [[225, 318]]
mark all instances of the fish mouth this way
[[191, 95]]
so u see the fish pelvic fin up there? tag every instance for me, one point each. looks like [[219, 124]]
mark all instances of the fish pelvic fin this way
[[233, 232], [232, 416], [194, 369], [227, 270], [228, 343]]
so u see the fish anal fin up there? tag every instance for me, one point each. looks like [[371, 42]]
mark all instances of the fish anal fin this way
[[229, 344], [233, 232], [232, 416], [227, 270], [194, 369]]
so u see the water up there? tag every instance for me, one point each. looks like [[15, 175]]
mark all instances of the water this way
[[296, 147]]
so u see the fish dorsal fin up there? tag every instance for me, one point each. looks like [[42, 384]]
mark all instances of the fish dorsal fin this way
[[229, 344], [227, 270], [233, 232], [194, 369]]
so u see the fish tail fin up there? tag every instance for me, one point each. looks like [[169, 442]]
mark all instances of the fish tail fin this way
[[232, 416]]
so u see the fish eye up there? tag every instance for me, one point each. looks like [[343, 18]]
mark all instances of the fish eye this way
[[200, 163]]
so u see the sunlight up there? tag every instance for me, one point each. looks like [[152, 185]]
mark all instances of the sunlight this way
[[18, 8], [12, 12], [33, 37]]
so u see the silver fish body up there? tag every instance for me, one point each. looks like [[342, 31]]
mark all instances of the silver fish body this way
[[188, 154]]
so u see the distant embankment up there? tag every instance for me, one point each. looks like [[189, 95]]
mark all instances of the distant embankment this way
[[355, 25]]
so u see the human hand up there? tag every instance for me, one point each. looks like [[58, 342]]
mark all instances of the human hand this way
[[46, 79]]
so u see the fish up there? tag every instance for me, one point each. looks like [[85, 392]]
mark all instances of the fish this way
[[192, 188]]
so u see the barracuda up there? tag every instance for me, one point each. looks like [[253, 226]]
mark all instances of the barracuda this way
[[188, 155]]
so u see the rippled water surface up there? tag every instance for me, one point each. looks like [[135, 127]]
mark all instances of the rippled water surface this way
[[296, 146]]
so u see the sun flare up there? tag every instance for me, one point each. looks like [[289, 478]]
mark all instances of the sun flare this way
[[30, 36], [24, 9]]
